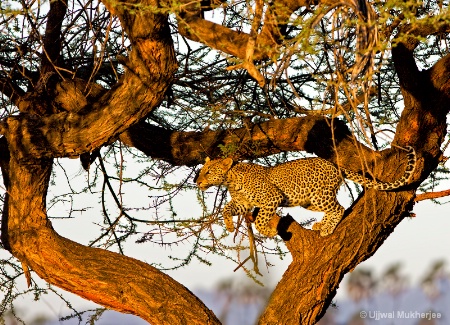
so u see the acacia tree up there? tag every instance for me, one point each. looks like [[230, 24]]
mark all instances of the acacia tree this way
[[339, 80]]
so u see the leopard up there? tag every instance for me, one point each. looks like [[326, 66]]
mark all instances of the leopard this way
[[311, 183]]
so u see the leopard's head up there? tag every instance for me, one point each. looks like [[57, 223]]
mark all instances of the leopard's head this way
[[213, 172]]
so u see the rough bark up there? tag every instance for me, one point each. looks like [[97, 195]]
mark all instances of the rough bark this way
[[313, 134], [31, 141], [52, 40]]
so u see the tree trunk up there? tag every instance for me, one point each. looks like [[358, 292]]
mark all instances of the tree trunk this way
[[319, 264]]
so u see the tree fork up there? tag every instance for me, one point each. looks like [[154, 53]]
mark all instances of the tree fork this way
[[320, 263], [373, 217]]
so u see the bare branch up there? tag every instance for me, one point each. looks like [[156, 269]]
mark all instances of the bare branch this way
[[344, 107], [52, 37], [431, 195]]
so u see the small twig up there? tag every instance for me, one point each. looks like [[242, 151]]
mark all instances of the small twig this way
[[250, 49], [431, 195], [251, 238], [253, 251], [241, 264]]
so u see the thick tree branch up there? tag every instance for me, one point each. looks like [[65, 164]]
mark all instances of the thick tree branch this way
[[217, 36], [110, 279], [426, 108], [405, 42], [313, 134], [268, 41], [52, 36], [406, 68], [69, 95], [193, 26]]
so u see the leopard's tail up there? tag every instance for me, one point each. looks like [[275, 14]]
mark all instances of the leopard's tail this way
[[382, 186]]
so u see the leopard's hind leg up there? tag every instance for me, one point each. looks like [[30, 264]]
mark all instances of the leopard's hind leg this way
[[327, 202]]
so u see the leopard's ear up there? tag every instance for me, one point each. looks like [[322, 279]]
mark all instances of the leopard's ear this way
[[227, 163], [207, 159]]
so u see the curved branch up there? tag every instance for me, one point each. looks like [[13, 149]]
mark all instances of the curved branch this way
[[405, 42], [313, 134], [151, 65], [216, 36], [107, 278], [427, 103]]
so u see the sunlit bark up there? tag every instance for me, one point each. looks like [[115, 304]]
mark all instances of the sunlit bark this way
[[33, 138]]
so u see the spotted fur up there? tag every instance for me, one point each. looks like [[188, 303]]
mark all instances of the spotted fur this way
[[311, 183]]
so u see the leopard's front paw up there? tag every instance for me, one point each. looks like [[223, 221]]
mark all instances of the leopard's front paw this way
[[324, 229], [268, 229], [268, 232], [229, 224]]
